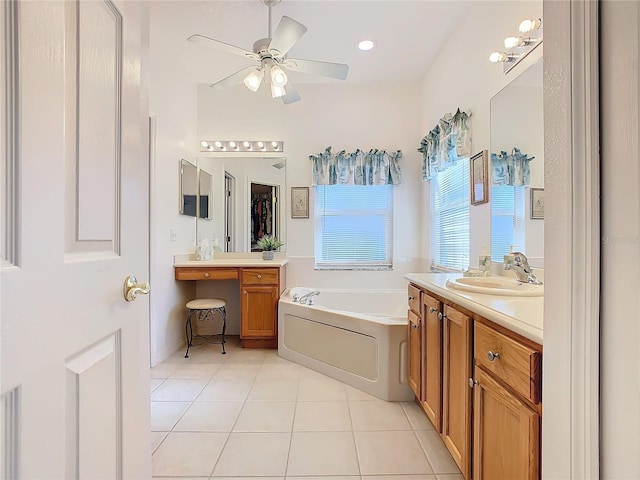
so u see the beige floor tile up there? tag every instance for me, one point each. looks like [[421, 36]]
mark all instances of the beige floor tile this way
[[209, 417], [225, 389], [246, 356], [210, 354], [238, 370], [450, 477], [438, 455], [254, 454], [417, 418], [164, 370], [391, 453], [265, 417], [321, 390], [248, 478], [309, 373], [196, 371], [322, 453], [322, 417], [274, 390], [273, 357], [188, 454], [164, 415], [178, 390], [156, 439], [155, 383], [379, 415], [179, 478], [326, 477], [356, 395], [279, 371]]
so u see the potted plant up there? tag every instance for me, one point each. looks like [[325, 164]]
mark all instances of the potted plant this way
[[268, 244]]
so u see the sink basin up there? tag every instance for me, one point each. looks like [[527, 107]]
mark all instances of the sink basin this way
[[504, 286]]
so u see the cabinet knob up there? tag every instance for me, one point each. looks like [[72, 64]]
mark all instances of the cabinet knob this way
[[414, 326], [492, 356], [259, 276], [432, 310], [440, 316], [207, 274], [410, 298], [472, 383], [244, 292]]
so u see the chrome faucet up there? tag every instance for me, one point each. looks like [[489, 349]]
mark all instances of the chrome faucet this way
[[521, 268], [307, 298]]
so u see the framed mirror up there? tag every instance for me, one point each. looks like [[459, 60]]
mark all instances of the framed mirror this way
[[517, 167], [248, 201], [188, 195]]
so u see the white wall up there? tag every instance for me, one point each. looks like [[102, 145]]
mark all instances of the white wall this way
[[344, 117], [173, 105], [461, 76]]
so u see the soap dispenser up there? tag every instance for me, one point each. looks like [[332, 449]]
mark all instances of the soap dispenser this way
[[484, 260], [508, 258]]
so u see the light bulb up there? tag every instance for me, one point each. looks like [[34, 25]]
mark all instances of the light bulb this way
[[210, 148], [254, 79], [204, 144], [277, 91], [218, 144], [512, 42], [366, 45], [274, 144], [261, 144], [246, 144], [496, 57], [232, 144], [278, 77], [529, 25]]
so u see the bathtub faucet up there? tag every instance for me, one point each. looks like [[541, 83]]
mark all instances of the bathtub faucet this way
[[307, 298]]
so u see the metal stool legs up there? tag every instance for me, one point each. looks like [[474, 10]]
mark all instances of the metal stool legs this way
[[222, 312]]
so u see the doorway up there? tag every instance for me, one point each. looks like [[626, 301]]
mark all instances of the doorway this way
[[263, 212]]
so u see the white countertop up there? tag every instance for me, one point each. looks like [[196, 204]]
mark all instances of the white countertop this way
[[522, 315], [232, 262]]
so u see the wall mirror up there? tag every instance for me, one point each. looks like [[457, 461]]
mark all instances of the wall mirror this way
[[188, 194], [517, 128], [248, 201]]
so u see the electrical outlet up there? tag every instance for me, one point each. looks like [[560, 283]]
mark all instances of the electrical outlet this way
[[173, 236]]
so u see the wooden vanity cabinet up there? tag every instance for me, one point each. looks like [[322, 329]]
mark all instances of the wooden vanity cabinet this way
[[414, 338], [456, 395], [260, 291], [431, 399]]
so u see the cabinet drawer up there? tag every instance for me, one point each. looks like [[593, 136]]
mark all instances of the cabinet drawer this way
[[260, 276], [511, 361], [203, 273], [414, 299]]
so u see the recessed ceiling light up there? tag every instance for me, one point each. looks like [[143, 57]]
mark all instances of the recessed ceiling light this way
[[366, 45]]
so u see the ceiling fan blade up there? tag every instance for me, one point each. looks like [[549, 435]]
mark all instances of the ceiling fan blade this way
[[291, 96], [225, 47], [234, 78], [326, 69], [287, 33]]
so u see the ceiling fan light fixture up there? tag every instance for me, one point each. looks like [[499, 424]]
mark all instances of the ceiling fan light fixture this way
[[278, 77], [254, 79], [277, 91]]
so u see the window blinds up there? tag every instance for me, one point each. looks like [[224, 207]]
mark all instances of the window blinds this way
[[507, 220], [353, 226]]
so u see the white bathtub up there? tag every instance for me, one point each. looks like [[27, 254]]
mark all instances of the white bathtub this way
[[356, 336]]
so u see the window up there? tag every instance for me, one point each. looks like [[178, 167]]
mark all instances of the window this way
[[507, 220], [353, 228], [450, 218]]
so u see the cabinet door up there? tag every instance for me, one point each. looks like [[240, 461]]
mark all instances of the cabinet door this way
[[456, 411], [431, 379], [506, 433], [259, 311], [415, 347]]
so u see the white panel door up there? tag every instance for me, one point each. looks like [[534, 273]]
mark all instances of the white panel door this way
[[75, 354]]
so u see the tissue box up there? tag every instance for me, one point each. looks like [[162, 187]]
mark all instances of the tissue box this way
[[204, 253]]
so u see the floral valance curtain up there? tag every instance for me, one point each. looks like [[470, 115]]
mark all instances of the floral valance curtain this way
[[446, 143], [377, 167], [510, 168]]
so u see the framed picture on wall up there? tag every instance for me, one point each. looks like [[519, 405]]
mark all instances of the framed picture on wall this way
[[537, 203], [299, 202], [478, 171]]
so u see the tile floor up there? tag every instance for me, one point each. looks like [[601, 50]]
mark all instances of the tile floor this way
[[251, 413]]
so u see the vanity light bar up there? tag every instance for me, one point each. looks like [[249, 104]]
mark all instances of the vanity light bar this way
[[517, 47], [231, 146]]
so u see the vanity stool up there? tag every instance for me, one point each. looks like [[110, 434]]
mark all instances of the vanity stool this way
[[206, 309]]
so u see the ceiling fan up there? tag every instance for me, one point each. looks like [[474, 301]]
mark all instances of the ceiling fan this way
[[271, 55]]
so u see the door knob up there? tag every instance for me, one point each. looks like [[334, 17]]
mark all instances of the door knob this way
[[132, 288]]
